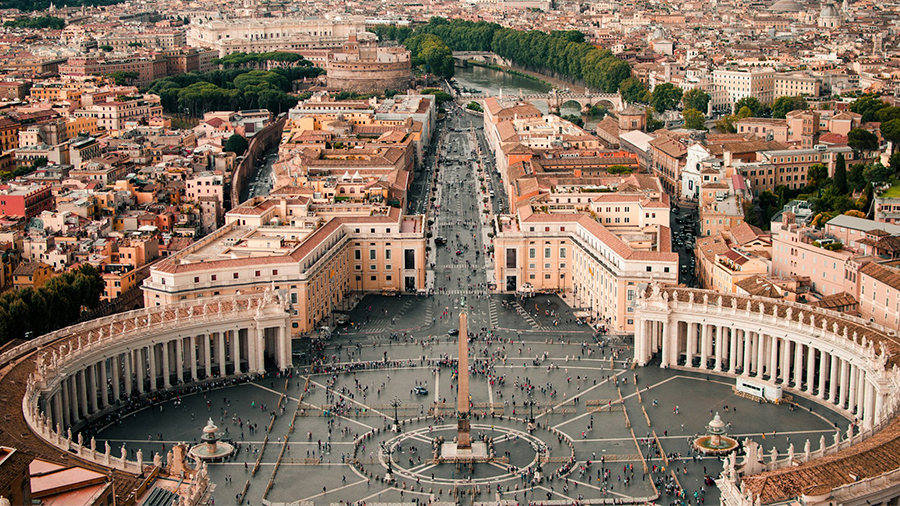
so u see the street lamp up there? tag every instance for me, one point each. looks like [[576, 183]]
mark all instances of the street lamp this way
[[396, 404], [531, 409], [389, 475]]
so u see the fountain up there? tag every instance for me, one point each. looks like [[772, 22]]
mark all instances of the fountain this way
[[211, 449], [716, 441]]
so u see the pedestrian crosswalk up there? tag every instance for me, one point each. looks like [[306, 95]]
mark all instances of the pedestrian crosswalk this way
[[463, 292], [454, 266], [527, 316], [492, 309]]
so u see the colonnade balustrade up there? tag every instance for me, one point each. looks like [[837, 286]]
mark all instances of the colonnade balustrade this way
[[832, 358], [86, 370]]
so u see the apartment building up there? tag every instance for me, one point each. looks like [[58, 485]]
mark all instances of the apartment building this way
[[315, 258], [789, 167], [805, 252], [879, 294], [601, 266], [795, 85], [261, 35], [731, 85], [114, 114]]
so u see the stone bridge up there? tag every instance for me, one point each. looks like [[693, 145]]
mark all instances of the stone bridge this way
[[555, 99]]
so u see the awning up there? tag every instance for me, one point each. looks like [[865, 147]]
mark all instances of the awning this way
[[582, 314]]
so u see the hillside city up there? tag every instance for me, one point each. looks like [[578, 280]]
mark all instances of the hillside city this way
[[156, 153]]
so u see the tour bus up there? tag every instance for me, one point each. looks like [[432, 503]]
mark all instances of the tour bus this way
[[772, 393]]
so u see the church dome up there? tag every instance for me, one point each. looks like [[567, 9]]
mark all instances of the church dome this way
[[786, 6], [828, 11]]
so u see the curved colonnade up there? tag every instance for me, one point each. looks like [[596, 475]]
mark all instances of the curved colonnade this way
[[839, 361], [84, 371]]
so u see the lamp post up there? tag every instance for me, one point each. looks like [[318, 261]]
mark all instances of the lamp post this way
[[389, 475], [396, 404]]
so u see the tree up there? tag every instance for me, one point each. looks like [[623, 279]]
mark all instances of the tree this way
[[632, 90], [891, 132], [236, 144], [876, 173], [821, 219], [816, 176], [744, 112], [862, 140], [652, 123], [894, 164], [40, 22], [868, 106], [599, 111], [855, 213], [124, 78], [840, 173], [665, 97], [106, 48], [693, 119], [574, 119], [752, 103], [784, 105], [475, 106], [856, 179], [725, 124], [696, 99]]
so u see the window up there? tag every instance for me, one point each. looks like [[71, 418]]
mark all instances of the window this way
[[374, 278], [196, 279], [546, 276], [546, 252], [274, 272], [235, 275], [562, 252], [213, 277], [387, 254], [409, 259], [371, 254], [510, 258], [373, 267], [649, 269], [388, 267], [357, 255], [257, 273], [547, 266], [665, 269], [531, 276], [531, 253]]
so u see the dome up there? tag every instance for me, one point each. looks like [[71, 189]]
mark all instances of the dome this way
[[786, 6], [828, 11]]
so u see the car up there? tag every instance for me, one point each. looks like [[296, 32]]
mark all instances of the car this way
[[453, 332], [420, 390], [342, 319], [440, 240], [458, 252]]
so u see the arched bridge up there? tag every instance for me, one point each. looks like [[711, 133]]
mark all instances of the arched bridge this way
[[554, 99]]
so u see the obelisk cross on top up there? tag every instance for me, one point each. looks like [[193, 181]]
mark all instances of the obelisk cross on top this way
[[464, 440]]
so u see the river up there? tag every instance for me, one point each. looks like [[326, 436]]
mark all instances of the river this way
[[492, 81]]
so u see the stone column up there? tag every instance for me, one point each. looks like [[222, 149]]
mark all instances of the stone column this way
[[166, 373], [720, 344], [261, 350], [129, 372], [140, 367], [115, 364], [58, 416], [90, 374], [222, 372], [854, 387], [810, 369], [747, 337], [785, 373], [861, 384], [151, 351], [640, 331], [844, 383], [879, 407], [705, 337], [193, 342], [798, 365], [869, 420], [236, 352], [773, 358], [104, 385], [691, 344], [823, 371], [179, 359], [284, 345], [82, 393], [66, 410], [732, 350], [207, 354], [760, 354], [833, 380]]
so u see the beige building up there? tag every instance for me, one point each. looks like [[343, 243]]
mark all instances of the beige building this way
[[731, 85], [260, 35], [284, 242], [600, 266], [794, 85]]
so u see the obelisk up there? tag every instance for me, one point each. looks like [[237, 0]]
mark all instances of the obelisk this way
[[463, 439]]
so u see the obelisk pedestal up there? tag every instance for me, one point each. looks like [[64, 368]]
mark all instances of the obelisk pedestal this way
[[463, 438]]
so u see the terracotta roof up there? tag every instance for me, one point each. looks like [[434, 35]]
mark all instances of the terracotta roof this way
[[758, 286], [745, 233], [836, 301], [882, 273]]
